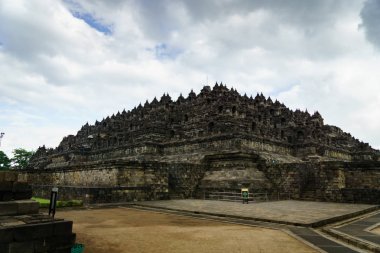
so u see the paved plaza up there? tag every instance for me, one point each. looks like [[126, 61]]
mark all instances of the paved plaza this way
[[129, 230], [304, 213]]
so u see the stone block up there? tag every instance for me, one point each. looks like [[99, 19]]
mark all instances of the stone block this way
[[22, 177], [8, 208], [66, 250], [27, 207], [43, 230], [63, 241], [4, 248], [21, 187], [21, 247], [23, 233], [63, 228], [6, 235], [6, 196], [42, 246], [10, 176], [6, 186], [22, 195]]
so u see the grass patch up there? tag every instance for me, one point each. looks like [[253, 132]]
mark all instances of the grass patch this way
[[60, 203]]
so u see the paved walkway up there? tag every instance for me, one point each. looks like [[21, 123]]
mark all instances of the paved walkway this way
[[359, 229], [306, 234], [291, 212], [320, 241], [359, 232]]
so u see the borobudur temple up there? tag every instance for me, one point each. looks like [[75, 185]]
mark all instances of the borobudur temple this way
[[214, 141]]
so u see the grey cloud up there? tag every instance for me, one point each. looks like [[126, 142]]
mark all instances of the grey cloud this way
[[370, 15], [174, 46], [159, 17]]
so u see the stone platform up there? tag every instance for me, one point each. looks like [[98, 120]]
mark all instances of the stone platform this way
[[35, 233], [22, 228], [290, 212]]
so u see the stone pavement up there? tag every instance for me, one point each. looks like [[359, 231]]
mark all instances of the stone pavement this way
[[291, 212], [358, 232], [320, 241], [307, 235]]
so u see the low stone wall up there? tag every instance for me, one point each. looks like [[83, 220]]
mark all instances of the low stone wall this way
[[123, 181], [119, 180], [360, 195], [363, 177], [101, 194], [13, 188]]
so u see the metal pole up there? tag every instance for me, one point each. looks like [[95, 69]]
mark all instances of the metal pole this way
[[1, 137]]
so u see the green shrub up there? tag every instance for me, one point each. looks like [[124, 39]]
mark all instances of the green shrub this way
[[44, 203]]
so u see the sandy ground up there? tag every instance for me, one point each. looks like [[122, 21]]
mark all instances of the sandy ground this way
[[376, 230], [120, 230]]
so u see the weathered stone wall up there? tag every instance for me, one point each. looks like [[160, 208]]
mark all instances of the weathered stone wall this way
[[362, 177], [323, 181], [124, 181], [360, 195], [184, 179], [133, 182], [113, 180], [195, 150], [285, 179], [233, 171], [327, 181], [102, 194]]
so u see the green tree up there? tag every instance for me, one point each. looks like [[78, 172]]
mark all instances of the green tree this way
[[5, 162], [21, 158]]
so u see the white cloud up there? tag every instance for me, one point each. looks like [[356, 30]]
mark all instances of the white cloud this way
[[58, 71]]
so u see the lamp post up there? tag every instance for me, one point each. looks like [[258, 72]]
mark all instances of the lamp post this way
[[1, 137]]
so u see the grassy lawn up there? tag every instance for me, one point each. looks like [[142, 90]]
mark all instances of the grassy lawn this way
[[60, 203]]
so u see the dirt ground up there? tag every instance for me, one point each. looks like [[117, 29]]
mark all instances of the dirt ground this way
[[120, 230], [376, 230]]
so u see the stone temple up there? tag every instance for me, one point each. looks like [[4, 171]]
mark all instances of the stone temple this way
[[214, 141]]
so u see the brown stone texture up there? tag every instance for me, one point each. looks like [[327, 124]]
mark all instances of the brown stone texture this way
[[217, 140]]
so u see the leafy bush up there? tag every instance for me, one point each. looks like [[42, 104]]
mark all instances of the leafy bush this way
[[44, 203]]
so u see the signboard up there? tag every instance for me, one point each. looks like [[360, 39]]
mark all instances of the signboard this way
[[245, 195], [53, 201]]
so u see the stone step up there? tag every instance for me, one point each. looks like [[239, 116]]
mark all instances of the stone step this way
[[352, 240], [18, 207]]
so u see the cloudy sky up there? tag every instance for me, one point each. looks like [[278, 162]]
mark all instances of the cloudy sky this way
[[63, 63]]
